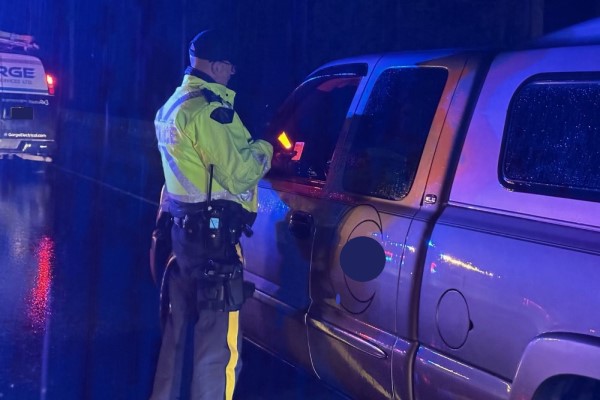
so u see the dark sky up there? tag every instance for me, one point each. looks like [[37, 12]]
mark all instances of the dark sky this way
[[124, 57]]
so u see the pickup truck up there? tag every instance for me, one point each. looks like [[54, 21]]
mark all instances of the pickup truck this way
[[430, 228]]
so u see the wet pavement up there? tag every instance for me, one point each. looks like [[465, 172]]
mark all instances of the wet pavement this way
[[78, 308]]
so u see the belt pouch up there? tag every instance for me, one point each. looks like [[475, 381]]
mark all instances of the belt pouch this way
[[234, 290]]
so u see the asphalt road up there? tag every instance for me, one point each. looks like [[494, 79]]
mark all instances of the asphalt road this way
[[78, 308]]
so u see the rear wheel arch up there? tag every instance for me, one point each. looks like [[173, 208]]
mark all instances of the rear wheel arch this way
[[568, 387], [555, 365]]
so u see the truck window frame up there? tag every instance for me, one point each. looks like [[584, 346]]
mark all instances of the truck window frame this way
[[284, 165], [381, 141], [552, 179]]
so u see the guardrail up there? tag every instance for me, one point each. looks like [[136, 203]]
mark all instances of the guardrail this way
[[121, 152]]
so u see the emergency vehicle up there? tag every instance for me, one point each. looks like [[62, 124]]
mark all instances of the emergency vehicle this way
[[28, 111]]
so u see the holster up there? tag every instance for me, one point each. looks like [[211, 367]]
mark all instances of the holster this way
[[227, 293], [160, 245]]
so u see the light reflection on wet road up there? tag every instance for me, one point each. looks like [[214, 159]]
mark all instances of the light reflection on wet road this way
[[78, 322], [78, 309]]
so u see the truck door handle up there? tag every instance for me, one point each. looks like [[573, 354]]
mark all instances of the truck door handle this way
[[301, 224]]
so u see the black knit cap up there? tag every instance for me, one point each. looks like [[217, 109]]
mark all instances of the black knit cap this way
[[213, 45]]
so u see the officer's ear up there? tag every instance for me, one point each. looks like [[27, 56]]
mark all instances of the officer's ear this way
[[223, 67], [221, 71], [216, 67]]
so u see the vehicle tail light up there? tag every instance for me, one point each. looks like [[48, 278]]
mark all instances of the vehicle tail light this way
[[51, 83]]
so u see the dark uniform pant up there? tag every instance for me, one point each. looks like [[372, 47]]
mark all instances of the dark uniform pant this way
[[217, 336]]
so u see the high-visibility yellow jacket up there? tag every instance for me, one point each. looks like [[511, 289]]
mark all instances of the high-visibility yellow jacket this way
[[197, 127]]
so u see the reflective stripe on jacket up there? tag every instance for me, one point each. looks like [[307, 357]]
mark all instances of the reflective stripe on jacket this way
[[196, 128]]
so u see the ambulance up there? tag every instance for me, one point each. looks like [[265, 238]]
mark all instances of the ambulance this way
[[28, 109]]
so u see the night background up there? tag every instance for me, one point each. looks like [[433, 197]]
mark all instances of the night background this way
[[116, 62], [123, 58]]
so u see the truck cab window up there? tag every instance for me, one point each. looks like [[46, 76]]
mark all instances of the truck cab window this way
[[312, 119], [388, 138]]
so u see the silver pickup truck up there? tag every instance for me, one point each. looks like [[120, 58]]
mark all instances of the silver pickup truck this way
[[430, 228]]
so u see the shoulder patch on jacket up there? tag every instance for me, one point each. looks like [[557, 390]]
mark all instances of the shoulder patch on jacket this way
[[222, 115], [211, 96]]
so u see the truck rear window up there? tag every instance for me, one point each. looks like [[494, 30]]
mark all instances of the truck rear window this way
[[552, 137]]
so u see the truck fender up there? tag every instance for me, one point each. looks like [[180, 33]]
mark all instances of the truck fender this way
[[553, 355]]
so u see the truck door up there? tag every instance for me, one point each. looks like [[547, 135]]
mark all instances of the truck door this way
[[359, 325], [292, 202]]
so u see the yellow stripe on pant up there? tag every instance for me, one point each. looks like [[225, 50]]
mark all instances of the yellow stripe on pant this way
[[233, 330]]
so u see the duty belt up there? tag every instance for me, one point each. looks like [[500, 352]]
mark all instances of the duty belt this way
[[186, 221]]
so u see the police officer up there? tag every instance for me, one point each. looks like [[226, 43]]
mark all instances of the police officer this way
[[211, 166]]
